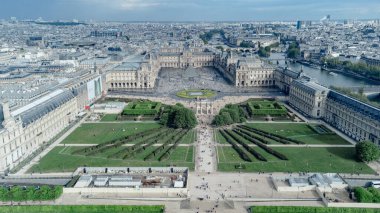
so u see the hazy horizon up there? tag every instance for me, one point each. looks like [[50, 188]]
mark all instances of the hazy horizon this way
[[189, 10]]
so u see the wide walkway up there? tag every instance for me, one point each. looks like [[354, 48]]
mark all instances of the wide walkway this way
[[205, 157]]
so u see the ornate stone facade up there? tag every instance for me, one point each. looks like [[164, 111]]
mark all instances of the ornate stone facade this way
[[354, 118], [308, 97], [142, 73], [358, 120], [26, 129]]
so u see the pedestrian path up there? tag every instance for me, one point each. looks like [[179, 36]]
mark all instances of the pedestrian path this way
[[205, 160]]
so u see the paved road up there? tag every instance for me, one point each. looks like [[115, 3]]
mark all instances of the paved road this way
[[113, 122]]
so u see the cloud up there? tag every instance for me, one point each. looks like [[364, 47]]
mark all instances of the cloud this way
[[131, 4], [189, 10], [138, 4]]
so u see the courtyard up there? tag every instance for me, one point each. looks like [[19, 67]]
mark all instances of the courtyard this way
[[172, 81]]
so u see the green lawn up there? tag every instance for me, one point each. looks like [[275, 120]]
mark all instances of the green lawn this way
[[189, 137], [61, 159], [193, 93], [219, 138], [308, 209], [299, 131], [82, 209], [341, 160], [109, 117], [96, 133]]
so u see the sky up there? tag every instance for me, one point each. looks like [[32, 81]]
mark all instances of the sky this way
[[189, 10]]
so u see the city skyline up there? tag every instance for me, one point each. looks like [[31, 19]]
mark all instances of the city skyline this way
[[189, 10]]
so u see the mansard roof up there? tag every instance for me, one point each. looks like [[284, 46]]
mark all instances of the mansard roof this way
[[39, 108], [357, 105]]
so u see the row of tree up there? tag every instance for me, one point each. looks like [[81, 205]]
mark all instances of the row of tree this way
[[359, 96], [359, 68], [30, 193]]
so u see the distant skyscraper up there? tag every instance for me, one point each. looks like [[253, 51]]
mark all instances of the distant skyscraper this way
[[299, 24]]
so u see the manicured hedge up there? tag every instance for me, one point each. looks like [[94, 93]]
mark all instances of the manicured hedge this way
[[257, 155], [304, 209], [321, 129], [172, 138], [263, 146], [369, 195], [266, 108], [83, 209], [139, 147], [116, 143], [250, 134], [32, 193], [167, 153], [142, 108], [265, 134], [278, 138], [241, 153]]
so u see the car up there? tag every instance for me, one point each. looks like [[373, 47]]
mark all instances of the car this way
[[375, 184]]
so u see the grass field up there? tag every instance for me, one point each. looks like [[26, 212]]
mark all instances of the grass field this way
[[340, 160], [301, 159], [109, 117], [82, 209], [299, 131], [96, 133], [62, 159]]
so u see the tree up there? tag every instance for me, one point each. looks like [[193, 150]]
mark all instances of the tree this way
[[30, 193], [247, 44], [367, 151], [227, 118], [293, 53], [181, 117], [218, 120], [17, 193], [363, 196], [293, 50], [164, 119], [45, 192], [4, 193], [58, 191], [220, 48], [264, 52]]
